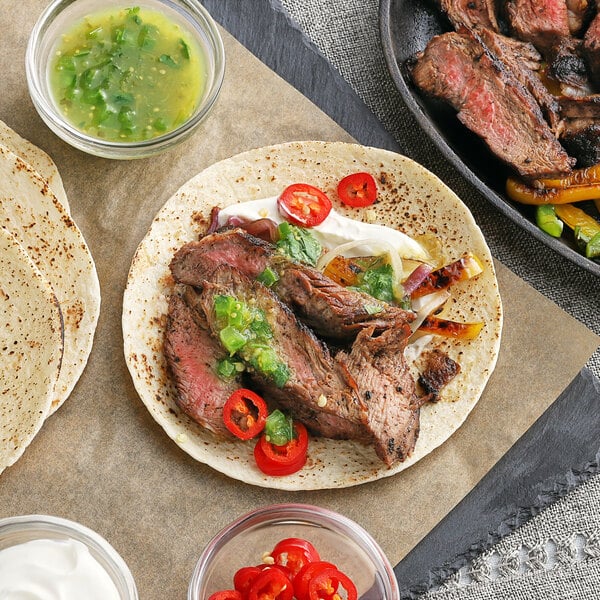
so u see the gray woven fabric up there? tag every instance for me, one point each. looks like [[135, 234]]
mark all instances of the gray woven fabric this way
[[555, 555], [346, 32]]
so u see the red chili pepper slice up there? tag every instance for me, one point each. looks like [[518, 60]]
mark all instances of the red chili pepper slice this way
[[226, 595], [357, 190], [294, 553], [245, 414], [243, 578], [271, 584], [282, 460], [305, 574], [328, 585], [304, 204]]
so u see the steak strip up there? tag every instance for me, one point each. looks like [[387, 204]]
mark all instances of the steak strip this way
[[192, 354], [331, 310], [523, 61], [383, 378], [367, 395], [540, 22], [470, 13], [459, 68]]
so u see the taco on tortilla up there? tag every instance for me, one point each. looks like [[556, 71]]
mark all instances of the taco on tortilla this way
[[410, 200]]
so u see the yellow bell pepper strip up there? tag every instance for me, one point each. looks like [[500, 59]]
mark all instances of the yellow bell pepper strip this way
[[451, 329], [525, 194], [586, 176], [584, 226], [464, 268], [575, 217]]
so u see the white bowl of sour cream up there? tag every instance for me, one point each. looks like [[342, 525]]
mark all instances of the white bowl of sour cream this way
[[44, 557]]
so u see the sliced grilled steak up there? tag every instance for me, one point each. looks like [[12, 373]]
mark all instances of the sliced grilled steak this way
[[470, 13], [584, 145], [458, 68], [384, 381], [566, 66], [523, 61], [333, 311], [438, 370], [581, 137], [591, 49], [540, 22], [192, 354], [195, 261], [313, 373], [334, 397], [579, 113]]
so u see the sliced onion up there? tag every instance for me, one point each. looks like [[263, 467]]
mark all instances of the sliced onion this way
[[235, 221], [416, 345], [214, 220], [426, 305], [265, 229], [416, 278], [378, 247]]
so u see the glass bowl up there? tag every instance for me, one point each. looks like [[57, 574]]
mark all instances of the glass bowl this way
[[22, 529], [59, 16], [338, 540]]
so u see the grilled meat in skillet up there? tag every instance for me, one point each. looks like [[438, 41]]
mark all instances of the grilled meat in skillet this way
[[524, 62], [458, 68], [470, 13], [540, 22]]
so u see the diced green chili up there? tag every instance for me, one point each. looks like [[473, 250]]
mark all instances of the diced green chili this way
[[268, 277], [279, 428]]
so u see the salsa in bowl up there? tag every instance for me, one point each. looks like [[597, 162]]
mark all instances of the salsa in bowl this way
[[124, 80]]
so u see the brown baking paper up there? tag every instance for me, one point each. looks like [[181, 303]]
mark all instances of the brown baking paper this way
[[103, 461]]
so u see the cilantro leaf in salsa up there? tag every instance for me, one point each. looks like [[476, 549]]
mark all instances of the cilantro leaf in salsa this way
[[298, 243], [378, 282]]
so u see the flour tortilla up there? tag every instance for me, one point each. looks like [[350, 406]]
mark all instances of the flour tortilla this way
[[411, 199], [37, 159], [31, 340], [33, 214]]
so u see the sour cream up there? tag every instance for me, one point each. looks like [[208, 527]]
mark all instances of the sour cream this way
[[48, 569], [335, 230]]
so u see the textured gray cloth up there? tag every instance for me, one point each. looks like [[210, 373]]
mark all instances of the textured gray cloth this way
[[346, 32]]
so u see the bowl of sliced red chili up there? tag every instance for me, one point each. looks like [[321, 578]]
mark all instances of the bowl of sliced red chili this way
[[293, 552]]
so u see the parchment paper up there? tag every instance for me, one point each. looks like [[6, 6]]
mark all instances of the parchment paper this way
[[101, 459]]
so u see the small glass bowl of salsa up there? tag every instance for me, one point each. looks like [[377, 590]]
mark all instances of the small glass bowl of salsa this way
[[122, 79]]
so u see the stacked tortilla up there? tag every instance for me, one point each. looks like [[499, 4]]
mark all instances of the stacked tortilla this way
[[49, 294]]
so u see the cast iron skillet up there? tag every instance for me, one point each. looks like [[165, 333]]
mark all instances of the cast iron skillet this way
[[406, 26]]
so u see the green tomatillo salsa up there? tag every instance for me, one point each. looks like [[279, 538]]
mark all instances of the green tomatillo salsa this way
[[126, 75]]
